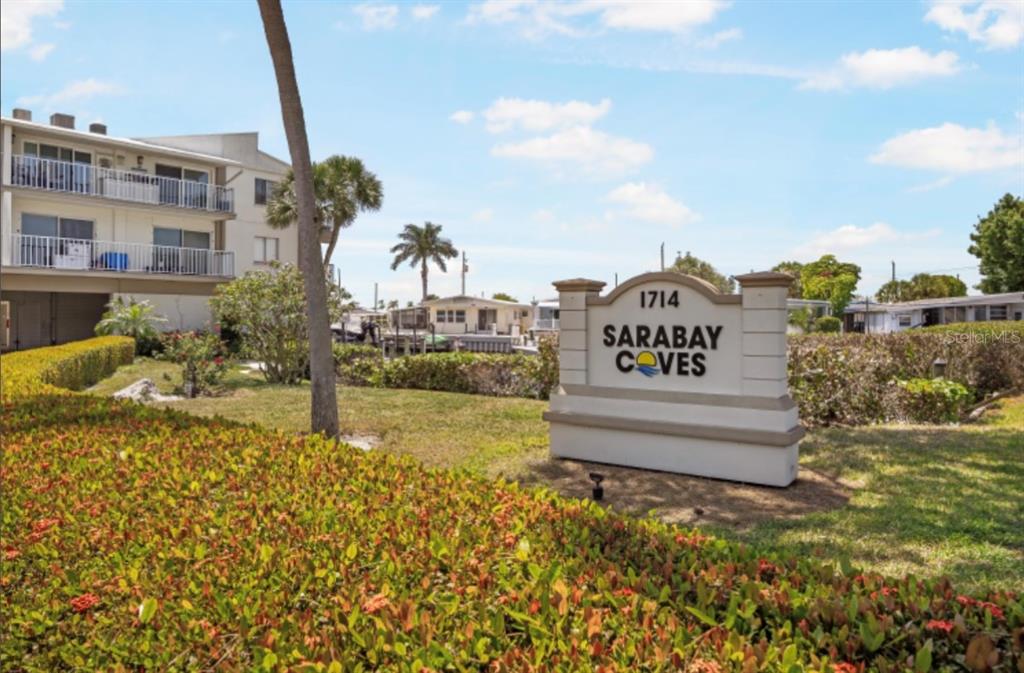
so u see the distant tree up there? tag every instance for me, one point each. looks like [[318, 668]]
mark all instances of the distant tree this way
[[342, 187], [831, 280], [393, 304], [694, 266], [422, 245], [431, 297], [793, 269], [921, 286], [998, 241], [504, 296]]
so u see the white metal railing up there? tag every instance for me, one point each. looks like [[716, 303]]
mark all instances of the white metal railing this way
[[54, 252], [136, 186], [545, 324]]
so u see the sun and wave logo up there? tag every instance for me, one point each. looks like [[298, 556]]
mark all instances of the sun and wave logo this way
[[646, 363]]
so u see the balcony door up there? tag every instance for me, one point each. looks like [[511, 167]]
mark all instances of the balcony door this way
[[184, 186], [181, 251], [169, 188]]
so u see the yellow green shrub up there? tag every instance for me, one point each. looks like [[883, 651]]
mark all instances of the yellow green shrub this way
[[70, 366]]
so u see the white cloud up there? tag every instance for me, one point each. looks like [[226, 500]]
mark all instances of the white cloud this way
[[75, 92], [483, 216], [593, 151], [952, 148], [884, 69], [999, 24], [424, 12], [16, 20], [944, 181], [644, 201], [538, 18], [461, 116], [39, 52], [721, 37], [850, 237], [377, 17], [538, 115]]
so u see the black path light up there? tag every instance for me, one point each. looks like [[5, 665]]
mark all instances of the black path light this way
[[597, 478]]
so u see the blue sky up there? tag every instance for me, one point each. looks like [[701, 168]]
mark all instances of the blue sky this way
[[572, 138]]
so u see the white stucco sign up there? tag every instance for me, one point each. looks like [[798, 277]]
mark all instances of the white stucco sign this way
[[666, 373]]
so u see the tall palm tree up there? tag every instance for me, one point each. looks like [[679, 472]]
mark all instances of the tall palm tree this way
[[421, 245], [324, 405], [342, 188]]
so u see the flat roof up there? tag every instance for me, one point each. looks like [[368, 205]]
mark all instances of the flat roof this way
[[970, 300], [128, 143], [467, 299]]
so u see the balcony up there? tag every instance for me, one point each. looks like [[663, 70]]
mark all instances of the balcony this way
[[133, 186], [54, 252]]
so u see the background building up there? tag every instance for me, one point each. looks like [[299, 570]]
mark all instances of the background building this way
[[877, 318], [86, 217]]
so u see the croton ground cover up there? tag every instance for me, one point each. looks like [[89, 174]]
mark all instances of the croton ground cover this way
[[143, 539]]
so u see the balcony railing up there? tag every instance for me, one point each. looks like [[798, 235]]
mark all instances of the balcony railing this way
[[54, 252], [135, 186], [545, 324]]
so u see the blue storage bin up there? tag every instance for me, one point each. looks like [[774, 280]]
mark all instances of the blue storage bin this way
[[117, 261]]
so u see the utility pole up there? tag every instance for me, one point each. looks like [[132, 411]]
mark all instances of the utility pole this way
[[663, 255], [894, 270], [465, 268], [375, 296], [616, 279]]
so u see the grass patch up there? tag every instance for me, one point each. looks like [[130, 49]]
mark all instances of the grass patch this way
[[928, 500]]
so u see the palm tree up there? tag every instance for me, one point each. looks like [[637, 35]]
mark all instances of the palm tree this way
[[131, 318], [342, 188], [421, 245], [324, 406]]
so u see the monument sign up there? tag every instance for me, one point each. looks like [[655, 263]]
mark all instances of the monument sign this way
[[667, 373]]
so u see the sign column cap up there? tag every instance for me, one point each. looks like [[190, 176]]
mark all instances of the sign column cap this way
[[579, 285], [765, 279]]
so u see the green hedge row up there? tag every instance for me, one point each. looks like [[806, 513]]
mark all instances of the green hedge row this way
[[70, 366], [514, 375], [141, 539], [857, 379]]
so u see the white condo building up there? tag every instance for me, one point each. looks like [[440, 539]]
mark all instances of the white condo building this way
[[87, 217]]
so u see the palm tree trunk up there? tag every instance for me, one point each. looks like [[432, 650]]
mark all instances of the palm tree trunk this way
[[324, 407], [423, 277], [330, 246]]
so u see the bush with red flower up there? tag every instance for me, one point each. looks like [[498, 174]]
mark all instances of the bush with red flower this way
[[201, 357]]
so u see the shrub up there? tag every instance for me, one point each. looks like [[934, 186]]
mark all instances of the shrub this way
[[134, 319], [146, 539], [1012, 330], [201, 357], [266, 311], [71, 366], [828, 324], [932, 400], [851, 378], [359, 365]]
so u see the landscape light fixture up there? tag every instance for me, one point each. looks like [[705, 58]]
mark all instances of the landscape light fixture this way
[[938, 368], [598, 492]]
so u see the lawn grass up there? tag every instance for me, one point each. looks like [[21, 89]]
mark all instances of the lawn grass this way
[[928, 500]]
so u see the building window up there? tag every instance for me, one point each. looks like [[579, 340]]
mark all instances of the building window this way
[[904, 320], [460, 316], [264, 249], [997, 313], [264, 189], [441, 316]]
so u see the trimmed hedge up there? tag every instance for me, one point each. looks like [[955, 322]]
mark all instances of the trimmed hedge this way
[[137, 538], [1007, 329], [854, 378], [71, 366], [502, 375]]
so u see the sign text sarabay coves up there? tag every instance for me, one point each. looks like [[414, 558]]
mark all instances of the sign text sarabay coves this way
[[667, 373]]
